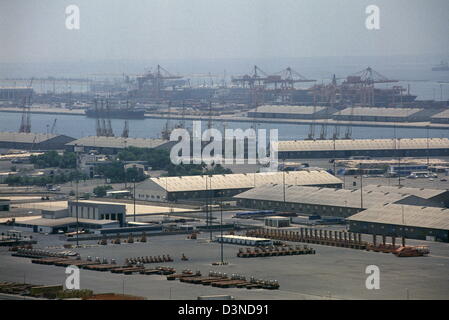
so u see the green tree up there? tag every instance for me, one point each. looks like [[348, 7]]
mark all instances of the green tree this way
[[100, 191]]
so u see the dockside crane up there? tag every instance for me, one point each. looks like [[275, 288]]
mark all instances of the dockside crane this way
[[156, 79], [364, 81], [125, 133], [53, 126]]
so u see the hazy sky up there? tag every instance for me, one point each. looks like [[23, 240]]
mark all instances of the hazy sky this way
[[34, 30]]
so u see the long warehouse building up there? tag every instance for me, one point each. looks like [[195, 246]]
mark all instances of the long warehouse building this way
[[407, 147], [414, 222], [335, 202], [226, 185], [291, 112], [112, 145], [33, 141]]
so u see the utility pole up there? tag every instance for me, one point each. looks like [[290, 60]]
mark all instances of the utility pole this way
[[134, 199], [283, 179], [221, 231], [210, 210], [76, 195], [399, 162], [427, 145], [361, 191]]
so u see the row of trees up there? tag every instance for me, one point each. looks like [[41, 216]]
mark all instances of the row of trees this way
[[44, 180], [116, 173], [155, 158], [52, 159], [195, 169]]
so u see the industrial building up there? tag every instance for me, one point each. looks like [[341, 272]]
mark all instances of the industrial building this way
[[335, 202], [277, 222], [95, 210], [44, 225], [245, 241], [414, 222], [291, 112], [384, 114], [5, 204], [226, 185], [112, 145], [407, 147], [433, 197], [33, 141], [15, 93], [442, 117]]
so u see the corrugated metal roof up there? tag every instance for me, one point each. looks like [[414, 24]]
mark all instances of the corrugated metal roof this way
[[20, 137], [419, 192], [118, 142], [320, 196], [244, 180], [412, 216], [379, 112], [363, 144], [287, 109]]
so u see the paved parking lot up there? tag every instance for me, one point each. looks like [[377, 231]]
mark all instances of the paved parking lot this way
[[336, 273]]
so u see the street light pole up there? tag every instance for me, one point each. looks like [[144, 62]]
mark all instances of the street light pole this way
[[76, 196], [221, 230], [134, 199]]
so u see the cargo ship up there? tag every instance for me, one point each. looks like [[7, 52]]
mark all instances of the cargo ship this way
[[443, 66]]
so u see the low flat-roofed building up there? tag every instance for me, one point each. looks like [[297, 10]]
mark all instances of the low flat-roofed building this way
[[5, 204], [344, 148], [277, 222], [380, 114], [112, 145], [97, 210], [43, 225], [15, 93], [441, 117], [324, 201], [55, 213], [33, 141], [291, 112], [414, 222], [226, 185], [242, 240]]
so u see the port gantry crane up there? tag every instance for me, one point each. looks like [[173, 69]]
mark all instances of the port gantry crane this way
[[25, 124], [255, 82], [362, 84], [156, 80], [283, 83]]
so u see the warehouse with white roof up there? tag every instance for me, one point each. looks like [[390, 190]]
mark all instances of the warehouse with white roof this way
[[335, 202], [226, 185], [414, 222], [407, 147], [112, 145], [291, 112], [33, 141]]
